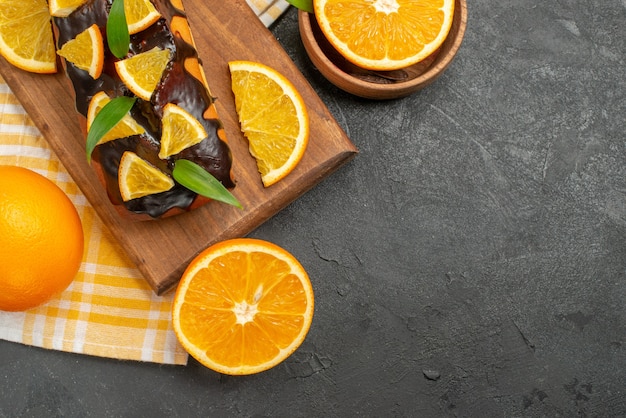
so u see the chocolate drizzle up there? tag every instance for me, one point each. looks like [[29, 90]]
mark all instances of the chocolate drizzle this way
[[176, 86]]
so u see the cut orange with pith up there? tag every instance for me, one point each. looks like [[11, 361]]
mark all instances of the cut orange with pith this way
[[124, 128], [180, 130], [138, 178], [142, 72], [243, 306], [26, 39], [63, 8], [140, 15], [86, 51], [273, 117], [385, 34]]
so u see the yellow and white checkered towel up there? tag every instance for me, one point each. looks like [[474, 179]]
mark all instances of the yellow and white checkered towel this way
[[109, 310], [268, 10]]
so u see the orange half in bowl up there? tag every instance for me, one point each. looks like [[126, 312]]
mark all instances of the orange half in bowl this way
[[380, 85]]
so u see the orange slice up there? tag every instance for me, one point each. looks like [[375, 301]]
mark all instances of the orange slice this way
[[86, 51], [180, 130], [125, 128], [273, 117], [243, 306], [63, 8], [142, 72], [137, 177], [140, 15], [385, 34], [26, 39]]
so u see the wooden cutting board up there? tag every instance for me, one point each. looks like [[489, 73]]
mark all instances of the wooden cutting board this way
[[224, 31]]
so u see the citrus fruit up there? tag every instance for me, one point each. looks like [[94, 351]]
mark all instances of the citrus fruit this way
[[86, 51], [140, 14], [137, 177], [63, 8], [142, 72], [26, 39], [385, 34], [125, 128], [273, 117], [180, 130], [243, 306], [41, 239]]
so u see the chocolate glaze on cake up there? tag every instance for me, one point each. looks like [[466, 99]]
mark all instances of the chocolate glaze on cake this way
[[176, 86]]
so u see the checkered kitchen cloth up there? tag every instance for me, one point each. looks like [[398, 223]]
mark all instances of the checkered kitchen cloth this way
[[109, 310]]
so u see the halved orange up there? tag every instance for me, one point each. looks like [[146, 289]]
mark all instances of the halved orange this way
[[125, 128], [179, 131], [63, 8], [243, 306], [26, 39], [137, 177], [385, 34], [140, 15], [142, 72], [86, 51], [273, 117]]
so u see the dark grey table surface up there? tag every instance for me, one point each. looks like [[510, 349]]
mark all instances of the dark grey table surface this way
[[469, 262]]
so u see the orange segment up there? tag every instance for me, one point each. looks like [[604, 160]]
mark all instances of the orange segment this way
[[125, 128], [273, 117], [243, 306], [180, 130], [385, 34], [142, 72], [63, 8], [140, 15], [26, 39], [86, 51], [138, 178]]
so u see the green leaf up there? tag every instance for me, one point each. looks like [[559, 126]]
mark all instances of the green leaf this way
[[117, 30], [306, 5], [198, 180], [106, 119]]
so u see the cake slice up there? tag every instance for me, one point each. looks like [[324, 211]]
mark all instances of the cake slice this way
[[181, 85]]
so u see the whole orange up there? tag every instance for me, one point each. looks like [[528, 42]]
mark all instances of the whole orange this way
[[41, 239]]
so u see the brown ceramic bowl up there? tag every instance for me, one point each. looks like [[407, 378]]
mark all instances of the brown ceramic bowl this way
[[380, 85]]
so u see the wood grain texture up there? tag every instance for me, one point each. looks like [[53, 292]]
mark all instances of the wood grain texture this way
[[161, 249]]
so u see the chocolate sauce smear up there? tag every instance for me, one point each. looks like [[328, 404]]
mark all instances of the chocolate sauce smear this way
[[176, 86]]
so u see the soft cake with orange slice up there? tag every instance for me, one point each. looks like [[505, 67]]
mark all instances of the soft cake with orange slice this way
[[173, 116], [62, 8], [86, 51]]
